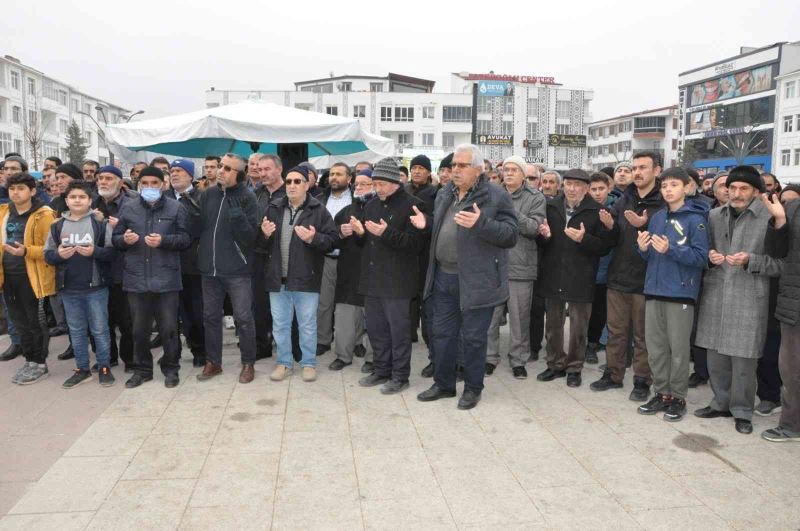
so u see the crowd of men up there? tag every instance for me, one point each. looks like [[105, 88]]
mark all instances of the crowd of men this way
[[657, 266]]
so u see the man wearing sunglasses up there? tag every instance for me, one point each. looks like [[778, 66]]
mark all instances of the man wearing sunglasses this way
[[229, 224]]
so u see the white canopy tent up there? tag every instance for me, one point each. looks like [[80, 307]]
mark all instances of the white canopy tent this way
[[250, 127]]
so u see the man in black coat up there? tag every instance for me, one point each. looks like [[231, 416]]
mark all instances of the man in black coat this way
[[421, 188], [298, 232], [474, 225], [349, 312], [229, 224], [152, 232], [389, 275], [574, 239]]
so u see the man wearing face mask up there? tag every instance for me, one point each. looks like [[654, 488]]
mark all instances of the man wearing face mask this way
[[181, 176], [349, 313], [152, 232]]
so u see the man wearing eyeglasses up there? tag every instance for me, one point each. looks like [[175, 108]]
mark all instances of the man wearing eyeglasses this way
[[229, 224]]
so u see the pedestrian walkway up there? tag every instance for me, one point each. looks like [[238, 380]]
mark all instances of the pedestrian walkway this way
[[333, 455]]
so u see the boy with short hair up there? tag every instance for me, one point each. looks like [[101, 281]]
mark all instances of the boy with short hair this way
[[81, 249], [600, 186], [676, 250], [25, 278]]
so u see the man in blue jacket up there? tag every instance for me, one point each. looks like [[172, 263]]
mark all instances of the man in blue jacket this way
[[676, 249], [474, 225], [152, 232]]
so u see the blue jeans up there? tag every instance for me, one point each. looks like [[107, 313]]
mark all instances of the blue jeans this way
[[88, 309], [282, 305], [458, 332]]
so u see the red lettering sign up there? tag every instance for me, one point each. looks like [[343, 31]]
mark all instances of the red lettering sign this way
[[513, 78]]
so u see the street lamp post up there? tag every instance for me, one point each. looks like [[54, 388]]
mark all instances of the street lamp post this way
[[100, 132]]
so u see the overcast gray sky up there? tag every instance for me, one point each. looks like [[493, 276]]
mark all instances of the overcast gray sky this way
[[163, 56]]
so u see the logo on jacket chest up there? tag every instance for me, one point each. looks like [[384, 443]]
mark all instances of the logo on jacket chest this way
[[77, 239]]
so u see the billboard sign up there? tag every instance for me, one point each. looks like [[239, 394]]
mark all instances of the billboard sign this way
[[496, 140], [495, 88], [556, 140], [732, 86]]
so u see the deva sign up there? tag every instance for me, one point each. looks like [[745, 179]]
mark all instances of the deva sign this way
[[495, 88]]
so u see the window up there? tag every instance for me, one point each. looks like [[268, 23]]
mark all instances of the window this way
[[624, 127], [562, 109], [790, 90], [376, 87], [786, 157], [788, 124], [506, 128], [428, 112], [562, 129], [62, 97], [87, 108], [404, 114], [484, 127], [797, 127], [15, 80], [404, 139], [31, 87], [5, 142], [612, 130], [49, 149], [484, 104], [386, 114], [449, 141], [332, 109], [625, 148], [531, 130], [533, 107], [359, 111], [32, 117], [88, 136], [650, 124], [674, 144], [62, 126], [75, 105], [427, 139], [346, 86], [797, 157], [16, 114], [18, 145], [460, 114], [508, 105], [560, 156]]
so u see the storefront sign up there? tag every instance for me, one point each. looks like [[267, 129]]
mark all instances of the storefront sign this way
[[556, 140], [514, 78], [496, 140]]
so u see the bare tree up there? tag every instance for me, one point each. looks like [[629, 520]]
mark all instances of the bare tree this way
[[34, 128]]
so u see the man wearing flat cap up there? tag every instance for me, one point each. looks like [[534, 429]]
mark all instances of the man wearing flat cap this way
[[734, 305]]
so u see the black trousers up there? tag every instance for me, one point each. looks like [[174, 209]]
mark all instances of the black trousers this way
[[164, 308], [597, 321], [191, 312], [537, 323], [389, 333], [261, 309], [27, 314], [767, 373], [119, 316]]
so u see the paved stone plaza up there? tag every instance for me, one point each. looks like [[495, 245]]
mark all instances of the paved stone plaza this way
[[333, 455]]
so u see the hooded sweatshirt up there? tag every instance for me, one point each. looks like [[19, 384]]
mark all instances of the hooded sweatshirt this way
[[80, 273]]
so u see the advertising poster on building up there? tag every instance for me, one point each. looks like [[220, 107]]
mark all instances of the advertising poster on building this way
[[495, 88], [556, 140], [732, 86]]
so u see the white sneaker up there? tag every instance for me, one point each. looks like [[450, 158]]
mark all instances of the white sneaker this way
[[228, 322]]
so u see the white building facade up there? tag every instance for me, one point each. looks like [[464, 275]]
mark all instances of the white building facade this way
[[786, 150], [37, 109], [516, 117], [617, 139]]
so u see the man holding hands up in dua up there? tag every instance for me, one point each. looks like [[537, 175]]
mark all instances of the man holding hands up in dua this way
[[734, 305]]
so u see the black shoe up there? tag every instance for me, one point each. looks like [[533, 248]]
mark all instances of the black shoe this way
[[156, 342], [676, 410], [519, 373], [56, 331], [549, 375], [708, 413], [605, 383], [392, 387], [574, 379], [67, 354], [113, 363], [591, 354], [469, 399], [338, 365], [171, 381], [105, 377], [198, 362], [359, 351], [427, 372], [489, 369], [136, 380], [695, 380], [372, 380], [435, 393], [459, 373], [658, 403], [534, 356], [641, 390], [368, 367], [15, 350], [79, 377], [322, 349], [744, 426]]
